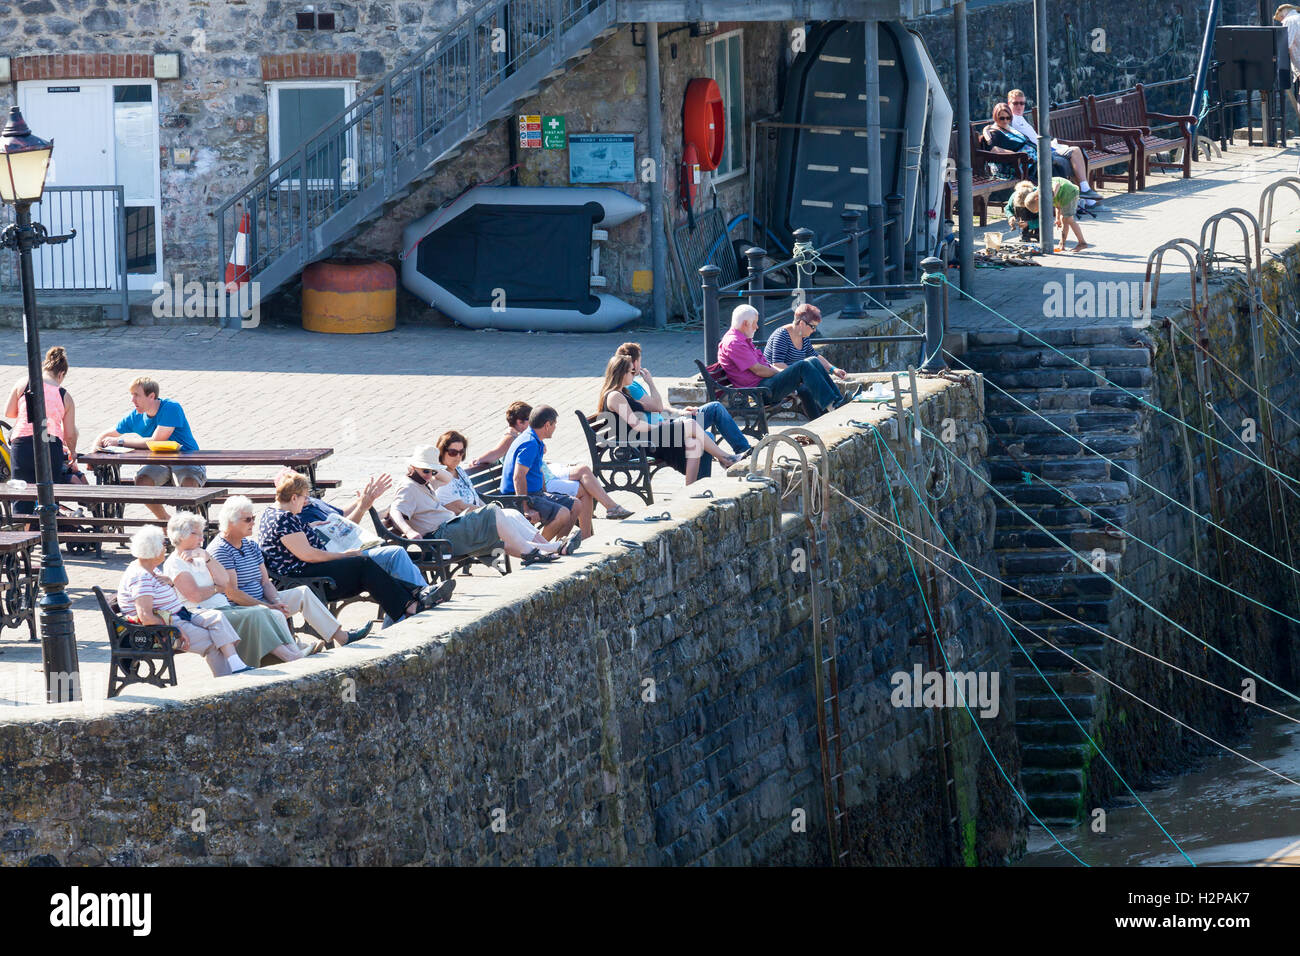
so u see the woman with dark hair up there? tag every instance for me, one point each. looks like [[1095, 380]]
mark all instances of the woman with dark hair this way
[[438, 501], [679, 443], [61, 427]]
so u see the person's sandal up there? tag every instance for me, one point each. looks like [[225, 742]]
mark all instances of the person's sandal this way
[[435, 594], [571, 542], [538, 557], [617, 513]]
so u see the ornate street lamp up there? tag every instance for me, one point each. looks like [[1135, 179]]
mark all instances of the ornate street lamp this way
[[24, 160]]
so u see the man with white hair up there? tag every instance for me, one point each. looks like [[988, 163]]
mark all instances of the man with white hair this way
[[745, 366], [1289, 16]]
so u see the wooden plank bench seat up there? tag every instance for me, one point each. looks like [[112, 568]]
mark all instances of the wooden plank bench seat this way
[[618, 465], [985, 180], [1126, 114], [1071, 126], [748, 406]]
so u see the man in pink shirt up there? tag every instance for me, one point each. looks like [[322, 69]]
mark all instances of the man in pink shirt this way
[[745, 366]]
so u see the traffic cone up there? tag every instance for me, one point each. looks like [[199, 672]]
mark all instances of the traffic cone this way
[[237, 267]]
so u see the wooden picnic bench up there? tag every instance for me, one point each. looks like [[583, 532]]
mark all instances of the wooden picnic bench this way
[[750, 407], [1071, 126], [18, 585], [140, 653], [1126, 114], [984, 178], [106, 503], [620, 464]]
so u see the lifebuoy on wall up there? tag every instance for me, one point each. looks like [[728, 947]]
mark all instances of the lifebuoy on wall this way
[[704, 121]]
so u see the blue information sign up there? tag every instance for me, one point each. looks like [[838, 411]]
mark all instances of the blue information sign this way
[[602, 158]]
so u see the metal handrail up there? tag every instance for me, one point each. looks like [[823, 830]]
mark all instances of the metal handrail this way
[[443, 83], [1145, 86]]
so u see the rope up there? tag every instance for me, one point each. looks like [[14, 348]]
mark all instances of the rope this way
[[881, 448], [883, 522], [1164, 617], [961, 693], [1133, 394]]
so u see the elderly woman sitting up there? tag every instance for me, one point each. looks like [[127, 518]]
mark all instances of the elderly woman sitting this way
[[147, 597], [456, 493], [292, 549], [203, 583]]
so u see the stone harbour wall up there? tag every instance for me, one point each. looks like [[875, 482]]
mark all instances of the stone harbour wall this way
[[645, 704]]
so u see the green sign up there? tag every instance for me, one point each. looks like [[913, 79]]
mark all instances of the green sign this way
[[553, 132]]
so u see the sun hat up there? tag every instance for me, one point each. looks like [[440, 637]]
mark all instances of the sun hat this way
[[425, 456]]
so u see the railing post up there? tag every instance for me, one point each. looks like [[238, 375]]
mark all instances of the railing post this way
[[852, 308], [418, 133], [712, 335], [302, 206], [754, 257], [935, 321], [388, 140], [894, 211]]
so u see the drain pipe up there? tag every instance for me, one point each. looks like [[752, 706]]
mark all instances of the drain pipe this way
[[654, 133], [965, 197], [875, 188]]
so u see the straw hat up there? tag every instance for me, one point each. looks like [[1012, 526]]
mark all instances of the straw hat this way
[[425, 456], [1283, 11]]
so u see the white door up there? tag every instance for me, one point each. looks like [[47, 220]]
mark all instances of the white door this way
[[105, 133]]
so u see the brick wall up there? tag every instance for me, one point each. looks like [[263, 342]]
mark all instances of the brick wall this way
[[521, 731]]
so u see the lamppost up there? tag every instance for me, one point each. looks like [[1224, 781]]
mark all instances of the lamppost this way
[[24, 159]]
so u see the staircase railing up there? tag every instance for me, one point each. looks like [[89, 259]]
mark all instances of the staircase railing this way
[[436, 97]]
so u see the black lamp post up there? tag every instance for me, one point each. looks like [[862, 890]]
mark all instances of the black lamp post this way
[[24, 160]]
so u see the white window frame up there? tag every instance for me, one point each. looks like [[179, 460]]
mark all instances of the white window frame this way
[[741, 168], [273, 88]]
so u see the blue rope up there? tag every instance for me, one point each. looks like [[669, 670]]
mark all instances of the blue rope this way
[[1160, 614], [960, 691], [934, 520], [1110, 384]]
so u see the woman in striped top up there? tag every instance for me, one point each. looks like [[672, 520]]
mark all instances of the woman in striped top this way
[[793, 343], [147, 597]]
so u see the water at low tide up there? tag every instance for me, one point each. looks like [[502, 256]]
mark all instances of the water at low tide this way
[[1229, 813]]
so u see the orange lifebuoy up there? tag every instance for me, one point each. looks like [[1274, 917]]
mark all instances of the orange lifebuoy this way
[[704, 121]]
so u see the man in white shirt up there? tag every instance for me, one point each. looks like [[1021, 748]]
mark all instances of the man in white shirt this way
[[1079, 166], [1289, 17]]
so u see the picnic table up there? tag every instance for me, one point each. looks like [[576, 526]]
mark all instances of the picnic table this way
[[108, 465], [18, 580]]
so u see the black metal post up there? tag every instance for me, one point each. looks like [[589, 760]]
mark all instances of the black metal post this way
[[894, 210], [754, 257], [965, 202], [58, 638], [932, 360], [852, 308], [712, 335]]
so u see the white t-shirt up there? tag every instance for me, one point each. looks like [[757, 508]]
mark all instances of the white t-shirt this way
[[1292, 23], [137, 582], [198, 570], [460, 488]]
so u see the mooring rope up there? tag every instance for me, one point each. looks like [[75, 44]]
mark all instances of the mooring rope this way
[[881, 448], [1164, 617], [884, 523]]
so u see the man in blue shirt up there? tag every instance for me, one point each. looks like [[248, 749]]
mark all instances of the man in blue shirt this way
[[156, 419], [522, 469]]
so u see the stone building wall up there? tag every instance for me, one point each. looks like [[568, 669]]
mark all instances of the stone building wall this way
[[1140, 742], [527, 731]]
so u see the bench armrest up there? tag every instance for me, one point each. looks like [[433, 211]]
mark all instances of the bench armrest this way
[[1183, 121], [1081, 143], [517, 502]]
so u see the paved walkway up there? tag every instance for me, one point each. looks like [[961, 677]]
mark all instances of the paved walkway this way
[[374, 397]]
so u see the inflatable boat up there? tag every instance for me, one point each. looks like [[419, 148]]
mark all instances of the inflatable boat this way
[[518, 258]]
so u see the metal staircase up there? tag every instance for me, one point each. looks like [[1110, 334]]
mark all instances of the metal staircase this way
[[423, 112]]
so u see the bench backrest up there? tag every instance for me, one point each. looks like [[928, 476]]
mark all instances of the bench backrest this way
[[1068, 122], [1125, 109], [108, 607], [486, 479]]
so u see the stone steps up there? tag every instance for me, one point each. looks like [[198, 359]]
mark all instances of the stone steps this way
[[1016, 400]]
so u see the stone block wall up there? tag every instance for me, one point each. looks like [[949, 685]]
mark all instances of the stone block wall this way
[[652, 706], [1141, 742]]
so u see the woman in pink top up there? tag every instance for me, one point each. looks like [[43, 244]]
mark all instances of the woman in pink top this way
[[61, 426]]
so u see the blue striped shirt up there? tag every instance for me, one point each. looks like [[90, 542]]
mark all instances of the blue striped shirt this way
[[245, 561], [781, 349]]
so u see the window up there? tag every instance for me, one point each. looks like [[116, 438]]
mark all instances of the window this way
[[135, 157], [726, 66], [296, 112]]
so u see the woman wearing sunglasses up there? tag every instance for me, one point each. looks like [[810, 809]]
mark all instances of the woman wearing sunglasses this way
[[437, 500]]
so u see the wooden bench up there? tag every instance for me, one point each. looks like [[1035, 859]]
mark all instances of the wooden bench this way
[[1127, 114], [434, 557], [748, 406], [984, 178], [1071, 126], [486, 480], [140, 653], [618, 465]]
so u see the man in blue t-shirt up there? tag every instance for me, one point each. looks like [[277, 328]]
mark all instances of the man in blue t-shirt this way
[[522, 469], [156, 419]]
